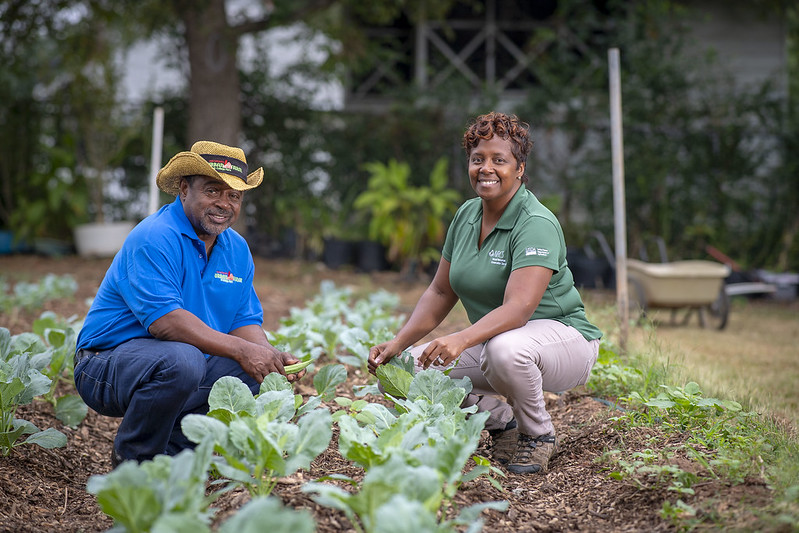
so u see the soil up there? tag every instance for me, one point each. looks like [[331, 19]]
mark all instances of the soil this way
[[44, 490]]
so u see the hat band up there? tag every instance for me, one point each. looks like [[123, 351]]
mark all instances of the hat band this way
[[228, 165]]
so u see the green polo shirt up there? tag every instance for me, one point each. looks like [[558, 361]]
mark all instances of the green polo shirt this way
[[527, 234]]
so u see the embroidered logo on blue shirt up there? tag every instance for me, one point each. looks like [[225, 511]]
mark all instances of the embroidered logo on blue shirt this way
[[227, 277]]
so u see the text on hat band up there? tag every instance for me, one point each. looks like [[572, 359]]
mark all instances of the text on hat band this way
[[228, 165]]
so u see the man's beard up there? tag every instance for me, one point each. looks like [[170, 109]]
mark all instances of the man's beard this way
[[212, 228]]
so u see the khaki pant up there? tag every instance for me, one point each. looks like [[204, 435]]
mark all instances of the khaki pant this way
[[519, 365]]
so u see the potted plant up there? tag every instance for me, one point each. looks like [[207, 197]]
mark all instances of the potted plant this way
[[104, 128], [408, 220]]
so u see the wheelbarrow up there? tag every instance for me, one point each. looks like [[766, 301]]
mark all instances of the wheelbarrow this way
[[695, 286]]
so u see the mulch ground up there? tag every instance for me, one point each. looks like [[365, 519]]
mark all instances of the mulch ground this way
[[44, 490]]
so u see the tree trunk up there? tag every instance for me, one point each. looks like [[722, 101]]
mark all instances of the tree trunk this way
[[214, 85]]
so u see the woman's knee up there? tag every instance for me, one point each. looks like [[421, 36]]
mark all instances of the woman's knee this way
[[500, 358], [502, 350]]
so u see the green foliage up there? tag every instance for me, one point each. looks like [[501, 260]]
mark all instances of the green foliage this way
[[409, 220], [264, 437], [30, 296], [22, 358], [335, 326], [268, 510], [395, 379], [164, 494], [414, 458], [60, 336], [716, 439]]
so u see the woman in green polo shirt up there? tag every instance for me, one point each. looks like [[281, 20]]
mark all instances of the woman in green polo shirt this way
[[504, 258]]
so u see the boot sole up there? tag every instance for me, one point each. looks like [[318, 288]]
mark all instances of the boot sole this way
[[524, 469]]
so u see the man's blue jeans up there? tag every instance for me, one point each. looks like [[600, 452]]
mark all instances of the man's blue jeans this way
[[152, 385]]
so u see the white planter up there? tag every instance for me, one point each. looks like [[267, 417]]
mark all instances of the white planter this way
[[101, 240]]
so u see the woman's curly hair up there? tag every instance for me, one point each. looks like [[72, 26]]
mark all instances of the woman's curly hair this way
[[508, 127]]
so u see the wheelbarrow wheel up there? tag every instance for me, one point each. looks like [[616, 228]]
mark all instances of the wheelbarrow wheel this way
[[636, 300], [716, 314]]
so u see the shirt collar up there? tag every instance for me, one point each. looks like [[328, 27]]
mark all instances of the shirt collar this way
[[185, 227], [508, 218]]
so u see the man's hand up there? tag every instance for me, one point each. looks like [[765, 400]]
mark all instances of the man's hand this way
[[264, 360]]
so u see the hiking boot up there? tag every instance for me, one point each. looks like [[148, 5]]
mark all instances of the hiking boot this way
[[116, 458], [532, 454], [503, 442]]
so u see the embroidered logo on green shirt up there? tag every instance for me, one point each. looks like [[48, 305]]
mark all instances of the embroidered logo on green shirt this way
[[532, 250], [497, 257]]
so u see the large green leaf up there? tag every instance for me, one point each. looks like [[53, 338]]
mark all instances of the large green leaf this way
[[253, 516], [436, 388], [5, 343], [276, 405], [198, 427], [402, 514], [328, 378], [231, 394], [313, 437], [71, 410], [395, 380], [357, 443], [180, 523], [49, 438]]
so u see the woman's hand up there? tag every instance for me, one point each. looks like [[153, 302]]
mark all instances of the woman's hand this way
[[382, 353], [443, 350]]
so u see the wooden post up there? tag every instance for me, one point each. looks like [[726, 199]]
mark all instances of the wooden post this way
[[155, 157], [619, 206]]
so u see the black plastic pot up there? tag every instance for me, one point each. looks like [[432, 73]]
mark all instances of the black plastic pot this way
[[370, 256], [338, 253]]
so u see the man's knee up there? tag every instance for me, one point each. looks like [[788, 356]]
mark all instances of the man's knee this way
[[182, 364]]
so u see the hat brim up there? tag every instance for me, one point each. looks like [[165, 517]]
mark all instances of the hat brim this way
[[191, 164]]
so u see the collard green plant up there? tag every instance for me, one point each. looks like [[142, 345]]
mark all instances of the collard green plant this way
[[22, 358], [263, 437], [60, 336], [32, 295], [333, 325], [259, 511], [397, 497], [414, 457], [164, 494]]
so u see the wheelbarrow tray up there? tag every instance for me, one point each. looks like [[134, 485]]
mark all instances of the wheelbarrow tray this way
[[675, 284]]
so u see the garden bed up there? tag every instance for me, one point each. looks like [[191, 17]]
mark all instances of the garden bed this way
[[44, 490]]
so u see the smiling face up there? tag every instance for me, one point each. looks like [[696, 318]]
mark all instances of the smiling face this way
[[210, 205], [494, 171]]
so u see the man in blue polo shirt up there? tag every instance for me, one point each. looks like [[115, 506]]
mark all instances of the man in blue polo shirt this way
[[177, 309]]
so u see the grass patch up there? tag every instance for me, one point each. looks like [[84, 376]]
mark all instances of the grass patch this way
[[706, 432]]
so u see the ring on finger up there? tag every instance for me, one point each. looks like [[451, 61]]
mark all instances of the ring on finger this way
[[439, 361]]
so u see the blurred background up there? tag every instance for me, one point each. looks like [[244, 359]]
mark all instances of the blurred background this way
[[356, 111]]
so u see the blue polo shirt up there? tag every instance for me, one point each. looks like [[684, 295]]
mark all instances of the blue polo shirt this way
[[162, 266], [527, 234]]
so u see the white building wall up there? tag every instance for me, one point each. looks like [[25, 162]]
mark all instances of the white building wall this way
[[748, 41]]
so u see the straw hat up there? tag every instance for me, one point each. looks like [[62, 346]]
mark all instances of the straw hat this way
[[208, 158]]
